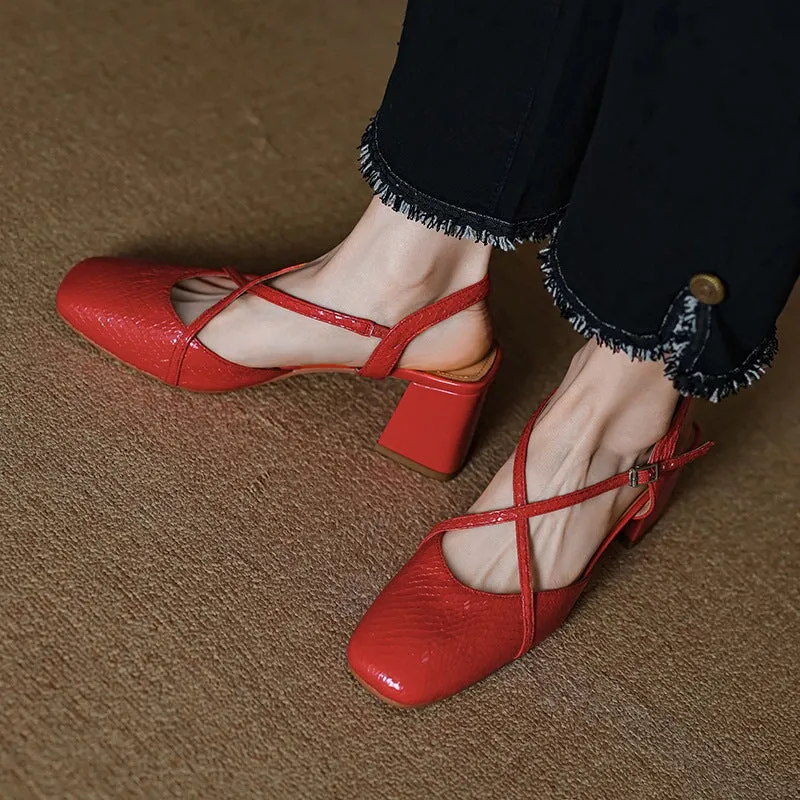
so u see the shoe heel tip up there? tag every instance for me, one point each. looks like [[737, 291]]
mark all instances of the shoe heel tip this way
[[414, 465]]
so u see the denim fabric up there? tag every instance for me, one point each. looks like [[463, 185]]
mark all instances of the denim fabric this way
[[662, 136]]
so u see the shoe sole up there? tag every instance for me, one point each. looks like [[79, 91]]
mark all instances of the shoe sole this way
[[386, 700]]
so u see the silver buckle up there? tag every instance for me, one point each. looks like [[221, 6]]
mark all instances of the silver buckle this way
[[633, 474]]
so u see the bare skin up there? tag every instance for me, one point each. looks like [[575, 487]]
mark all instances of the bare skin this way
[[385, 269], [604, 418]]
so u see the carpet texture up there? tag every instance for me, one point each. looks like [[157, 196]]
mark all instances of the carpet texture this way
[[179, 573]]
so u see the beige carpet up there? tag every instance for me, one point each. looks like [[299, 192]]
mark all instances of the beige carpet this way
[[180, 573]]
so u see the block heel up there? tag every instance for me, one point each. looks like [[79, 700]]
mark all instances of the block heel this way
[[633, 533], [433, 425]]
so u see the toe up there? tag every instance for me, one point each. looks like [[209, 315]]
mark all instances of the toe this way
[[96, 292], [427, 636], [124, 307]]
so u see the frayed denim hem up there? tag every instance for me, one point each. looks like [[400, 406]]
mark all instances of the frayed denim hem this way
[[679, 342], [438, 215]]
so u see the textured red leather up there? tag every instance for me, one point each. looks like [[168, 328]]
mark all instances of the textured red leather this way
[[434, 425], [428, 636], [385, 356], [125, 308]]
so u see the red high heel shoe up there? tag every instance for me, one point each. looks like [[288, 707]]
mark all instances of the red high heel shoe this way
[[428, 636], [124, 307]]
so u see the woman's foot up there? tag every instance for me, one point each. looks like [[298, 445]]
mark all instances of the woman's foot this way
[[604, 418], [385, 269], [428, 635]]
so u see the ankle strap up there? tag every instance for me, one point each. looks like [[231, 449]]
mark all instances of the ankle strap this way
[[385, 356], [663, 461]]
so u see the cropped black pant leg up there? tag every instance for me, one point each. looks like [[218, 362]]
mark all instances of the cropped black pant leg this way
[[658, 141]]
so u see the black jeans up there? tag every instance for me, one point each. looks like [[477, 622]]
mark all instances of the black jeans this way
[[657, 140]]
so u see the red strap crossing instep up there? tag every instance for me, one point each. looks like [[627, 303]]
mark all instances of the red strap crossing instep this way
[[663, 461]]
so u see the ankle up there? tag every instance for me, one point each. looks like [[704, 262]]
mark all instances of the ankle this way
[[400, 265], [612, 402]]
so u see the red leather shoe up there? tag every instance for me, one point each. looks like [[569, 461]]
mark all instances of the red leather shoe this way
[[428, 636], [125, 308]]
